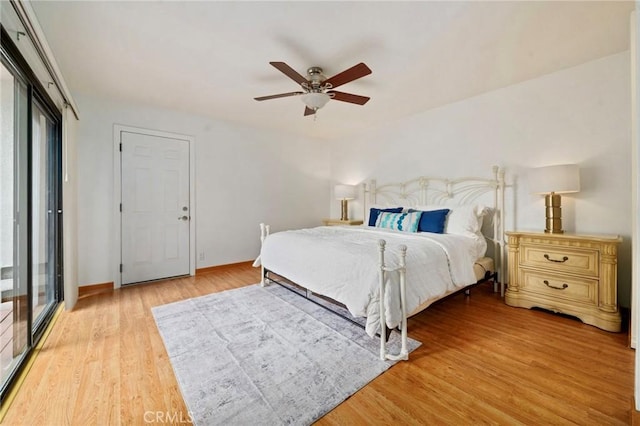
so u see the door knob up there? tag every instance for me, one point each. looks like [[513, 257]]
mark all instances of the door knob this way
[[183, 218]]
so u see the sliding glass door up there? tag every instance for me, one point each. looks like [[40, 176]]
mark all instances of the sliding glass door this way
[[30, 213]]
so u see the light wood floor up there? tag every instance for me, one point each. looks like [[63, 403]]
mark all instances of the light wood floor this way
[[481, 362]]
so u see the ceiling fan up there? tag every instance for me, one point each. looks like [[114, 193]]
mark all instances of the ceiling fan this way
[[317, 89]]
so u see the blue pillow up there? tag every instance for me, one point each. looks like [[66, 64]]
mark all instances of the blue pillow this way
[[373, 213], [432, 220]]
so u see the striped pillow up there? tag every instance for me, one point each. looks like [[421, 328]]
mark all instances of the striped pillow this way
[[407, 222]]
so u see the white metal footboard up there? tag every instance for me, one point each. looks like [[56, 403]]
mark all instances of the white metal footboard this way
[[404, 353], [401, 269]]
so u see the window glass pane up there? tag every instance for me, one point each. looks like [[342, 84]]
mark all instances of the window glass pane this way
[[13, 245], [43, 213]]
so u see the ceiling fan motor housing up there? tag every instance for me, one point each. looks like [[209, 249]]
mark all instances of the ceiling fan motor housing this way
[[315, 77]]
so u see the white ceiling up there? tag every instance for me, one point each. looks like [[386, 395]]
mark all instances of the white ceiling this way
[[212, 58]]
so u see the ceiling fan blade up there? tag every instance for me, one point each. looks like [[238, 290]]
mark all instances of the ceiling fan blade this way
[[353, 73], [281, 95], [308, 111], [348, 97], [289, 72]]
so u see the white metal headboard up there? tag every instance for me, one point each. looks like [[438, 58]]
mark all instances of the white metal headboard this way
[[425, 190]]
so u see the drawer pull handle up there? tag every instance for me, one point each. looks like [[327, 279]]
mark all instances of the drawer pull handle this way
[[564, 259], [565, 285]]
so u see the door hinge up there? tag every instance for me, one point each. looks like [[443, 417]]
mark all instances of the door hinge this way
[[120, 207], [120, 146], [121, 268]]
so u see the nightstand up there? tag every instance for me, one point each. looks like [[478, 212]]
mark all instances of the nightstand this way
[[338, 222], [565, 273]]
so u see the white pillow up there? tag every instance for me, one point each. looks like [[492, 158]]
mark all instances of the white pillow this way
[[464, 220]]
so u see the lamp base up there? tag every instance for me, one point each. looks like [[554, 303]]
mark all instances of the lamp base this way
[[551, 231], [345, 210], [553, 208]]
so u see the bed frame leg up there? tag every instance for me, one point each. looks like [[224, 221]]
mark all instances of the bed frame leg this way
[[383, 321], [264, 233], [404, 353]]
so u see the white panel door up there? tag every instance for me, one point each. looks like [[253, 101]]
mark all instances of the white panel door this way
[[155, 207]]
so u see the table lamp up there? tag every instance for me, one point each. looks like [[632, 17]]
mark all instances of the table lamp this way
[[344, 193], [553, 181]]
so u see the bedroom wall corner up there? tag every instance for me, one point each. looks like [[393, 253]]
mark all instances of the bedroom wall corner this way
[[634, 22], [635, 181]]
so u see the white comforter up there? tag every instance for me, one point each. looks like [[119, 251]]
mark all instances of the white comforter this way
[[342, 263]]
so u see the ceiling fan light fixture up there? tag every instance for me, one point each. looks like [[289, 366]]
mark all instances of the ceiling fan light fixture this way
[[315, 100]]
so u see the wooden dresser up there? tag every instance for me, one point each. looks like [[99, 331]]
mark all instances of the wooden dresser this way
[[565, 273]]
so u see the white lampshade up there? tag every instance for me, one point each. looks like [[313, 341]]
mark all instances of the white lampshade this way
[[561, 179], [315, 100], [344, 192]]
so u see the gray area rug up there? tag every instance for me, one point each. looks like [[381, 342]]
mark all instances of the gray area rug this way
[[258, 355]]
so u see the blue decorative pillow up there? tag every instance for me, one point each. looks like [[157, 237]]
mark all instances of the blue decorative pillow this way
[[432, 220], [407, 222], [373, 213]]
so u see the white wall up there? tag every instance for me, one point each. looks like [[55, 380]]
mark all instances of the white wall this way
[[635, 178], [578, 115], [70, 208], [244, 176]]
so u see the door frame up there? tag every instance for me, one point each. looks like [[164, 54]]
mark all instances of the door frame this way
[[117, 194]]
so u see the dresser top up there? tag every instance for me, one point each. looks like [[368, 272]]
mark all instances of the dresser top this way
[[568, 236]]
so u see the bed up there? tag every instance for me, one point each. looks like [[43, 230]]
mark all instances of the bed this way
[[355, 265]]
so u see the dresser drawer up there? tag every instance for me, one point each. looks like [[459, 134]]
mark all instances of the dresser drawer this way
[[561, 259], [559, 287]]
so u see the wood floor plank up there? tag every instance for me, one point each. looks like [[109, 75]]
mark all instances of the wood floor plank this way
[[481, 362]]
